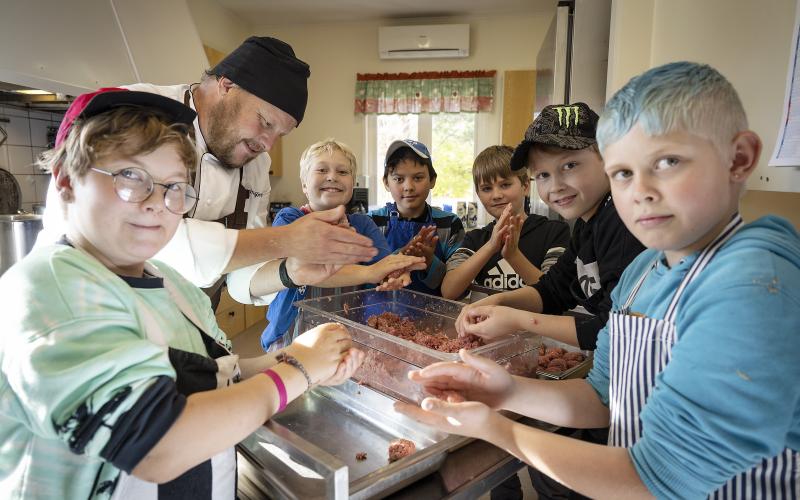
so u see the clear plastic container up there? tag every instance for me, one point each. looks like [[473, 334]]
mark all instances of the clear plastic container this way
[[389, 358]]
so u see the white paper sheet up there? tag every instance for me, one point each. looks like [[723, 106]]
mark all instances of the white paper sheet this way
[[787, 147]]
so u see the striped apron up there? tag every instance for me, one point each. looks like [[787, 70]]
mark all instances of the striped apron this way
[[639, 350]]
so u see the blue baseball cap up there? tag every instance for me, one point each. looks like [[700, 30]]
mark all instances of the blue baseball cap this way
[[420, 149]]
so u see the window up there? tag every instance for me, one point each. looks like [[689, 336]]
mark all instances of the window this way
[[451, 139]]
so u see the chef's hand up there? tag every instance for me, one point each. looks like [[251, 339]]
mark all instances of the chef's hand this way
[[306, 273], [319, 239], [347, 367], [491, 322], [321, 349], [484, 385]]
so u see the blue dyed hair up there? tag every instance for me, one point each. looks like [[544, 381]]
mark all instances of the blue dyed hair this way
[[680, 96]]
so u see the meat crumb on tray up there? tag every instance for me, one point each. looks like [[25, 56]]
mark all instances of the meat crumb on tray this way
[[400, 448]]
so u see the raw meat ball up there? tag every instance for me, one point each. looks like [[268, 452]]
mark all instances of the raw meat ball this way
[[400, 448]]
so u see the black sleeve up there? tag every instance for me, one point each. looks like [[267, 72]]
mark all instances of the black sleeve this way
[[138, 430], [473, 240], [615, 248], [587, 329], [558, 235], [554, 287]]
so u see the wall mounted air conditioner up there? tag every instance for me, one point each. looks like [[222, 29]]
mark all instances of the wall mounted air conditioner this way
[[420, 42]]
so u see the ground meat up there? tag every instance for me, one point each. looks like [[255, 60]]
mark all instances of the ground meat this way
[[574, 356], [400, 448], [405, 329], [555, 351], [557, 363], [361, 456], [557, 360]]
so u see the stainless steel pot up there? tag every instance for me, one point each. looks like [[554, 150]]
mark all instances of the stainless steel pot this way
[[17, 236]]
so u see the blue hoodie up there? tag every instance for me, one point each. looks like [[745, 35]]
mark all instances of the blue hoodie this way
[[730, 395]]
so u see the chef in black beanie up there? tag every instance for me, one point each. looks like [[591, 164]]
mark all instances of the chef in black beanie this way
[[267, 68], [245, 103]]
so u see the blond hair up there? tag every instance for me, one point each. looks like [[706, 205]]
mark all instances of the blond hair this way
[[328, 146], [123, 132], [495, 162]]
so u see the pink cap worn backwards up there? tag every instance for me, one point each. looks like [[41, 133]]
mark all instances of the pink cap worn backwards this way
[[108, 98]]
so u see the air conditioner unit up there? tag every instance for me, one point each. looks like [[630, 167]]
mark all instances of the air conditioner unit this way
[[420, 42]]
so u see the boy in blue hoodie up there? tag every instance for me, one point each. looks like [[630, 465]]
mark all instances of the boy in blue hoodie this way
[[410, 225], [696, 371], [327, 170]]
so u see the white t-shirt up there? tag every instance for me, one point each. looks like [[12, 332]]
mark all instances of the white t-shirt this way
[[201, 248]]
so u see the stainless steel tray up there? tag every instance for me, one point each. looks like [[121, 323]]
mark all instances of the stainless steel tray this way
[[309, 450]]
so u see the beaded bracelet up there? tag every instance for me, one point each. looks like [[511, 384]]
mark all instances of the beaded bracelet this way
[[282, 397], [292, 361]]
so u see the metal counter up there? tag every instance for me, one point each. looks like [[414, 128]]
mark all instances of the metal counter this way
[[309, 452]]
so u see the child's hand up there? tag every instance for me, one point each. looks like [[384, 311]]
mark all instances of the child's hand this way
[[490, 322], [484, 385], [347, 367], [500, 230], [511, 237], [393, 271], [423, 244], [321, 350]]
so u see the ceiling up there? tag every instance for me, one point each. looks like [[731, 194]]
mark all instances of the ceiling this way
[[276, 12]]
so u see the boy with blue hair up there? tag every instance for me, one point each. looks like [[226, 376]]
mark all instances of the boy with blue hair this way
[[696, 371]]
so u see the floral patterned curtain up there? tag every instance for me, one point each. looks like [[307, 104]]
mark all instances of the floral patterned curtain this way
[[427, 92]]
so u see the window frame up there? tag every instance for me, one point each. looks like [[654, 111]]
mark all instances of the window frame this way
[[482, 139]]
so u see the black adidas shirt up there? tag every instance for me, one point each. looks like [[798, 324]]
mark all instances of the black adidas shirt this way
[[541, 241], [588, 271]]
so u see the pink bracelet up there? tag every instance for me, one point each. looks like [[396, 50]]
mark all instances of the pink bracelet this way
[[278, 385]]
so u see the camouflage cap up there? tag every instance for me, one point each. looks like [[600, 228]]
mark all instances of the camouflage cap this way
[[566, 126]]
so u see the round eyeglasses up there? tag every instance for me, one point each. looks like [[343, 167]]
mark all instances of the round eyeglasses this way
[[135, 185]]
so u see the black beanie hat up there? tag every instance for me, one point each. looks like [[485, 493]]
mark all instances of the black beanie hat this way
[[267, 68]]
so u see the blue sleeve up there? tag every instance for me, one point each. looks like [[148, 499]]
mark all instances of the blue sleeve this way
[[729, 396], [365, 226], [598, 377], [286, 216], [435, 275]]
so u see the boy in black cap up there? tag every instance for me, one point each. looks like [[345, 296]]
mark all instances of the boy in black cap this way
[[561, 154], [252, 97]]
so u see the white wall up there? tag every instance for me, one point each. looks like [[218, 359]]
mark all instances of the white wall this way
[[748, 41], [336, 52], [77, 45]]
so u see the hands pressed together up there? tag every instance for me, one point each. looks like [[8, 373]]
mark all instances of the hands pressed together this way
[[506, 232], [327, 354], [464, 396]]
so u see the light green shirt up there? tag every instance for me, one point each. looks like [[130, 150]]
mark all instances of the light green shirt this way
[[71, 338]]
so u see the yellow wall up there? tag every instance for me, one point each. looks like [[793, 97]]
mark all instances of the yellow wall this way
[[336, 52], [219, 28], [749, 41]]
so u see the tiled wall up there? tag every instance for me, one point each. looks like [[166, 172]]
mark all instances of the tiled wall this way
[[27, 138]]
